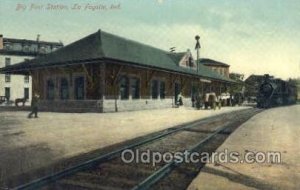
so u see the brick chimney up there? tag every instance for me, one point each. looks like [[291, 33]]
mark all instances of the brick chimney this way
[[1, 41]]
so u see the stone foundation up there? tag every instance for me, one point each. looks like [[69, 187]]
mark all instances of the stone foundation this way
[[71, 106], [81, 106], [140, 104]]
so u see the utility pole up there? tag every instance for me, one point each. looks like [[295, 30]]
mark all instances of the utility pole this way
[[197, 47]]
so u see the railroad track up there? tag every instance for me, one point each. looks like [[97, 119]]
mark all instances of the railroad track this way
[[110, 172]]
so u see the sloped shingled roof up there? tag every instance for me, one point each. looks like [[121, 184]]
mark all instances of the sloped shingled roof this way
[[102, 45], [212, 62]]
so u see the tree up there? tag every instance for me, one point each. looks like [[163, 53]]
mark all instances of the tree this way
[[236, 76], [237, 87]]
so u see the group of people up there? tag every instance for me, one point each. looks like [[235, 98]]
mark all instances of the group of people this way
[[199, 100]]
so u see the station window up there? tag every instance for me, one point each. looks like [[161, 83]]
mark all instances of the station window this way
[[42, 49], [187, 63], [191, 64], [7, 78], [154, 89], [26, 93], [79, 88], [162, 90], [7, 45], [7, 61], [26, 48], [50, 90], [64, 89], [26, 79], [124, 91], [135, 88], [7, 93]]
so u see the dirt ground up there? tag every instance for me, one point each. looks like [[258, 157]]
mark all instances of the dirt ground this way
[[27, 144], [276, 129]]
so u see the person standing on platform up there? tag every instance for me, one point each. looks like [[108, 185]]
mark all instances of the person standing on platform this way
[[180, 99], [34, 106]]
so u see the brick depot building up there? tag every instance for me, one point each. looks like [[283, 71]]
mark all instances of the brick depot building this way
[[106, 73]]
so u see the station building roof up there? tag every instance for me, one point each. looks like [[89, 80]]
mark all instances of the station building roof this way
[[103, 46]]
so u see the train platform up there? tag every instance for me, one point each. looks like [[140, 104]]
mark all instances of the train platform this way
[[273, 131], [30, 144]]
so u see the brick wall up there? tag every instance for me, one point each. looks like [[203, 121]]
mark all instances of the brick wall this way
[[102, 88]]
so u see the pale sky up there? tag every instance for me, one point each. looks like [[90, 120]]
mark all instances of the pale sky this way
[[253, 36]]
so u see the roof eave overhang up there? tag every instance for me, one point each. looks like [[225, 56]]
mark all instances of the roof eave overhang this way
[[163, 69], [27, 70]]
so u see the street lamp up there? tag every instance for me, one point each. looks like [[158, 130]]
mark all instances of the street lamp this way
[[197, 47]]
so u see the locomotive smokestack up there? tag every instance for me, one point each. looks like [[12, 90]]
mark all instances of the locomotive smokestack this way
[[266, 76], [38, 37], [1, 41]]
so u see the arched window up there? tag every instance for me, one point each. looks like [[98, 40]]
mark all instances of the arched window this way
[[162, 90], [124, 90], [79, 89], [135, 88], [50, 89], [154, 89], [64, 89]]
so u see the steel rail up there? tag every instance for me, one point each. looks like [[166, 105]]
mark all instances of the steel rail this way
[[37, 183], [166, 169]]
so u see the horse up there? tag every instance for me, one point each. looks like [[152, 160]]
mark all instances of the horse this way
[[22, 100]]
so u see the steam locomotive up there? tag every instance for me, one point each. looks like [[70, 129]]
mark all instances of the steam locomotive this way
[[276, 92]]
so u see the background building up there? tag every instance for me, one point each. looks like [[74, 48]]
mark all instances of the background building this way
[[219, 67], [297, 82], [14, 51]]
